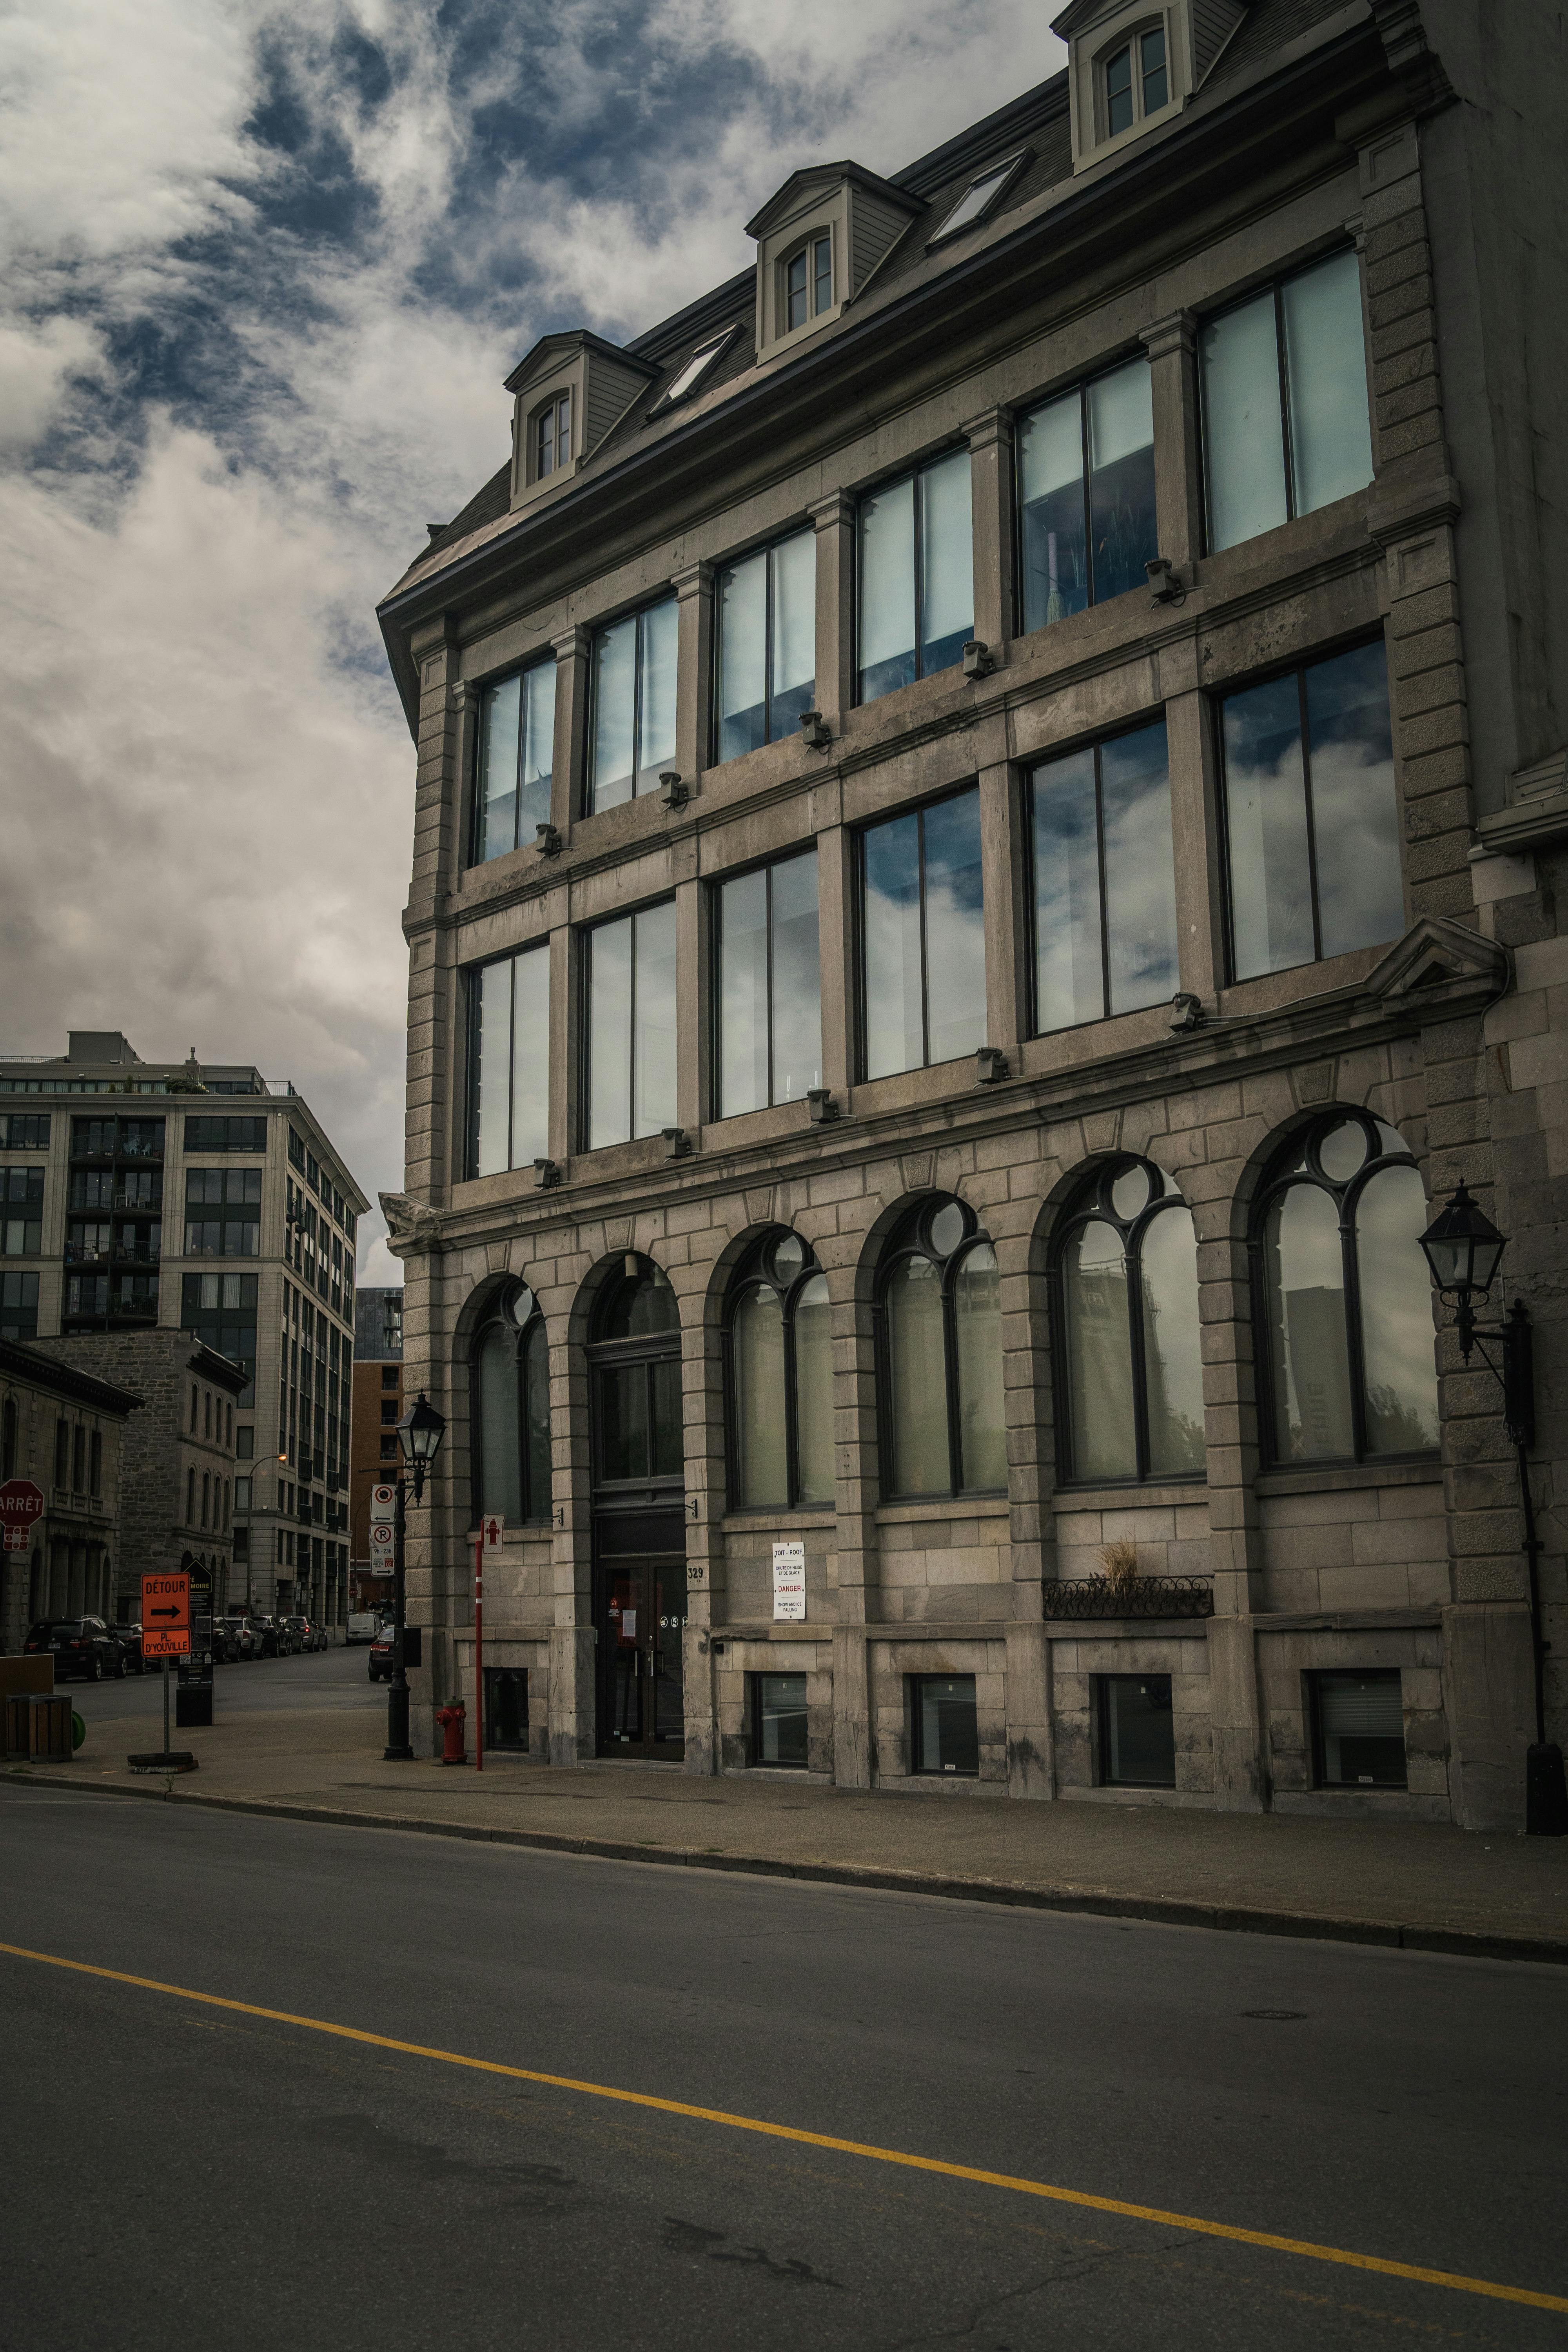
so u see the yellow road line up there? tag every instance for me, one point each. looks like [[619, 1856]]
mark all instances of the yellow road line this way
[[1278, 2245]]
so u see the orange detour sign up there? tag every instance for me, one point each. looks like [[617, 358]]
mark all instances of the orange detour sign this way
[[165, 1616]]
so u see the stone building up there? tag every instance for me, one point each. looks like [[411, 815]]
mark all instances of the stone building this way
[[66, 1431], [177, 1483], [989, 824], [207, 1199], [376, 1410]]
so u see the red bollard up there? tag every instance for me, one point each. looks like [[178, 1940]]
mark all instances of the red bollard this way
[[452, 1720]]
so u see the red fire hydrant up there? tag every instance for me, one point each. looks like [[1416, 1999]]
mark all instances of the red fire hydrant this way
[[452, 1719]]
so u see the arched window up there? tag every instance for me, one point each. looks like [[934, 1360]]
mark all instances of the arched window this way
[[1134, 78], [944, 1430], [1345, 1297], [636, 1359], [1130, 1370], [780, 1365], [509, 1412]]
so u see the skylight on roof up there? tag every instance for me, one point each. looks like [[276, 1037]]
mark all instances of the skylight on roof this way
[[696, 365], [976, 197]]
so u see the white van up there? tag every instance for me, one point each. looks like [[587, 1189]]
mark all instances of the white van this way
[[362, 1627]]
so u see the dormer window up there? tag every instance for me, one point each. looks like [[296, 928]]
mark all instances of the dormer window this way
[[552, 435], [808, 283], [1136, 81]]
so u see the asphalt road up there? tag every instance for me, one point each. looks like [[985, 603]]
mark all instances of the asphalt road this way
[[181, 2176], [328, 1678]]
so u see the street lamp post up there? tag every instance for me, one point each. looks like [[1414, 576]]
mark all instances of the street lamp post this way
[[1464, 1250], [419, 1436]]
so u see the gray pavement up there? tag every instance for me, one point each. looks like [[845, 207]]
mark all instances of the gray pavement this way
[[305, 1735], [184, 2176]]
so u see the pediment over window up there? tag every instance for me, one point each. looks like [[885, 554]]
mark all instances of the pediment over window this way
[[1134, 64], [569, 392], [1438, 954], [819, 239]]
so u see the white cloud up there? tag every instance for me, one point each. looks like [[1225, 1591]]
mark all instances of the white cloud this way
[[209, 780]]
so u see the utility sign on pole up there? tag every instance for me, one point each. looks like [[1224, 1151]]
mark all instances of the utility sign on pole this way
[[491, 1529], [165, 1627]]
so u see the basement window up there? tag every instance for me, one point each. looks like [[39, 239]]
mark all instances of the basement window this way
[[1358, 1723]]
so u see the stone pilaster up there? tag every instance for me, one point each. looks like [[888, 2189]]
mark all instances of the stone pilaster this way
[[1171, 345], [990, 439]]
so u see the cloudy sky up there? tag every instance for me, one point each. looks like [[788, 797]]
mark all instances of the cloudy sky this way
[[263, 269]]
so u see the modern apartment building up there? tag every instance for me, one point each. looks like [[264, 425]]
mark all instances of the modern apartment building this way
[[375, 1410], [140, 1196], [991, 820]]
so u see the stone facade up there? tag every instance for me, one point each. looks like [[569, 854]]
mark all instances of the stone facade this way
[[71, 1561], [178, 1468], [1315, 127]]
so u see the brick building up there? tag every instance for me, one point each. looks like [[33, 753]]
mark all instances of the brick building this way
[[178, 1476], [66, 1432], [990, 825]]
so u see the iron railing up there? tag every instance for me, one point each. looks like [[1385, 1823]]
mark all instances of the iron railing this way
[[1145, 1596]]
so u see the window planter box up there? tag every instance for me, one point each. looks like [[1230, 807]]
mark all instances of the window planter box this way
[[1151, 1596]]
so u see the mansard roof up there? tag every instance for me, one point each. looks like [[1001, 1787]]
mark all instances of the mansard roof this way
[[787, 199]]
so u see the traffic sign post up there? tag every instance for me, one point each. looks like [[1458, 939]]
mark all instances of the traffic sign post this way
[[21, 1502], [165, 1627], [491, 1529]]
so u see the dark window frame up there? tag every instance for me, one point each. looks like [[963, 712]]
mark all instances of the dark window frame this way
[[914, 1686], [757, 1269], [919, 809], [647, 1350], [732, 563], [910, 1238], [548, 413], [765, 866], [1358, 641], [1100, 1714], [471, 973], [1315, 1678], [584, 951], [1021, 416], [1130, 40], [601, 630], [879, 488], [1097, 745], [1274, 286], [500, 1314], [754, 1757], [483, 689], [808, 250], [1306, 1136], [1092, 1204]]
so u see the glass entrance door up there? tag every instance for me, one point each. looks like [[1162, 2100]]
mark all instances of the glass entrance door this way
[[641, 1621]]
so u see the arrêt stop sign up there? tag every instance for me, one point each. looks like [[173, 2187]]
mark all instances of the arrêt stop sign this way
[[21, 1502]]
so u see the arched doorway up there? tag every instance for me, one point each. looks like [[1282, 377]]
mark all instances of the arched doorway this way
[[639, 1535]]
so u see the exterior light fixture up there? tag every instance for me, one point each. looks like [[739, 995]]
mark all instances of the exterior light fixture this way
[[419, 1436], [1464, 1250]]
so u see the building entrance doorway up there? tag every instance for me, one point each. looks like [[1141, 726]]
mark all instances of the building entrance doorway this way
[[639, 1533]]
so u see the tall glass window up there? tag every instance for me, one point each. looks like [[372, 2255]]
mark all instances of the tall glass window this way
[[1286, 422], [1104, 880], [780, 1379], [1130, 1367], [510, 1411], [769, 997], [917, 576], [630, 996], [922, 937], [1346, 1297], [766, 669], [635, 1361], [512, 760], [943, 1424], [508, 1062], [1086, 495], [634, 704], [1311, 814]]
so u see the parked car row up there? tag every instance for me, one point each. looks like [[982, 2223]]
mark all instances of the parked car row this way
[[91, 1649]]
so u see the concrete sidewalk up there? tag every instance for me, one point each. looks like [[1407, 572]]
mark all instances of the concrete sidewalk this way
[[1433, 1889]]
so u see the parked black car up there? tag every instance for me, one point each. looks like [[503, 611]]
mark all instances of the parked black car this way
[[381, 1656], [78, 1645], [304, 1634]]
